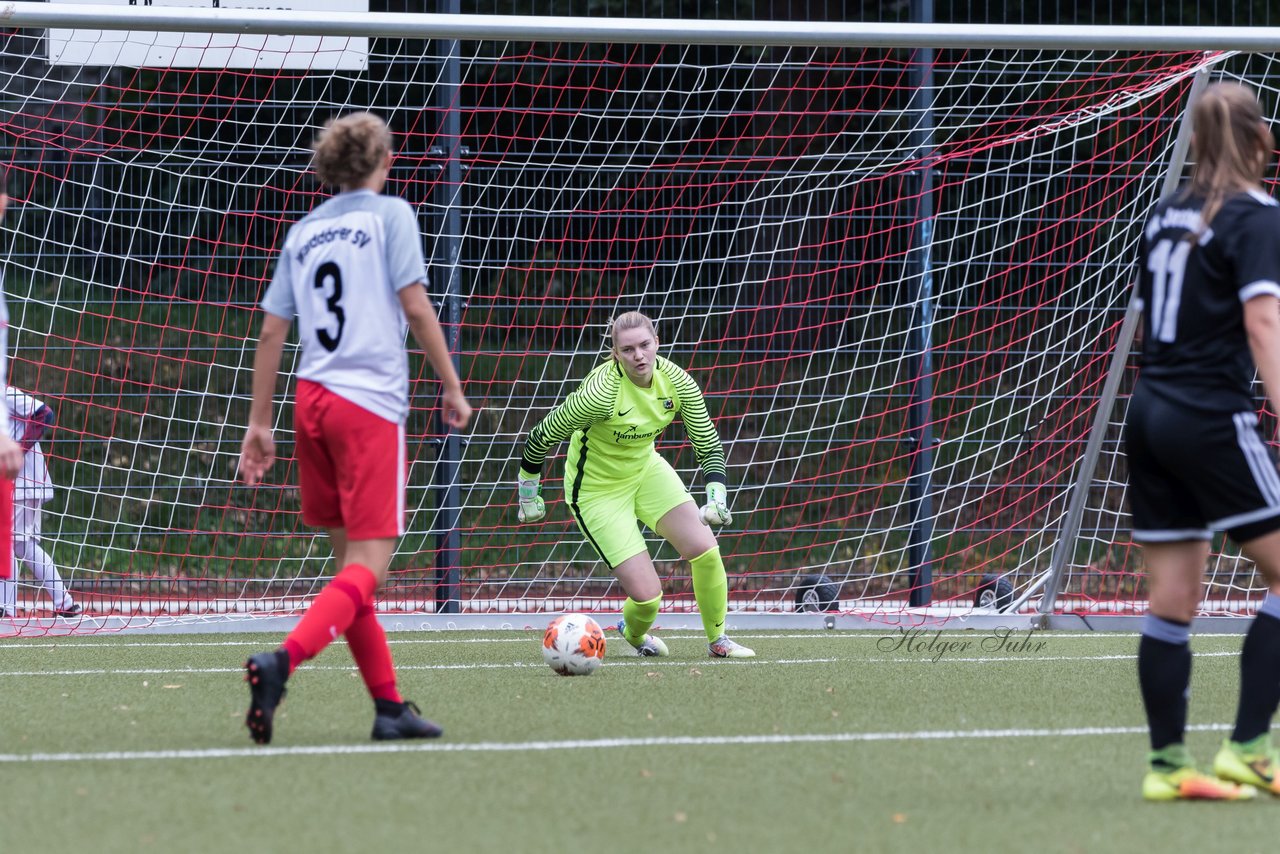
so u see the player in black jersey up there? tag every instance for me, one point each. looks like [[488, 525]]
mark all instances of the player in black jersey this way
[[1209, 289]]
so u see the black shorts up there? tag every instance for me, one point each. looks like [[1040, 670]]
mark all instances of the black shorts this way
[[1192, 473]]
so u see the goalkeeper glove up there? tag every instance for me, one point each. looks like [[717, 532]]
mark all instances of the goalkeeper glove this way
[[716, 510], [532, 507]]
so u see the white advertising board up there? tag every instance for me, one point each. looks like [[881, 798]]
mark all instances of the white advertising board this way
[[148, 49]]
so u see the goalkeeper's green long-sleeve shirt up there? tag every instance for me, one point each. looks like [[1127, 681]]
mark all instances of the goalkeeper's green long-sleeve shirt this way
[[612, 424]]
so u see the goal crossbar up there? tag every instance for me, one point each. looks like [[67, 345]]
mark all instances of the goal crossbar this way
[[640, 30]]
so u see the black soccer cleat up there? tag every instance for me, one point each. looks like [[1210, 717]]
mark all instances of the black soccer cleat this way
[[71, 611], [266, 674], [402, 720]]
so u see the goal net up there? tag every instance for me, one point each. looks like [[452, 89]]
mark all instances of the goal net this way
[[898, 275]]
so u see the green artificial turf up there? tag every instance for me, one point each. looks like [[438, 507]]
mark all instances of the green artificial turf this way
[[826, 742]]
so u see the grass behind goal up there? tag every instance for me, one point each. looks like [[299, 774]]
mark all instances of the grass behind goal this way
[[827, 742]]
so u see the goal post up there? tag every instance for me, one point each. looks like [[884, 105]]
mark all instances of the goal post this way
[[905, 309], [1120, 357]]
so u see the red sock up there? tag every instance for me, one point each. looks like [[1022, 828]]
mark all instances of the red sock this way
[[330, 613], [6, 528], [368, 643]]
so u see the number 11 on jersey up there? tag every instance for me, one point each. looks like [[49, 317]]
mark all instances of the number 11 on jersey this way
[[1167, 262]]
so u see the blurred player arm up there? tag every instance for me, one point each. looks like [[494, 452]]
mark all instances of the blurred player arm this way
[[258, 450], [1262, 323], [1256, 253], [36, 426]]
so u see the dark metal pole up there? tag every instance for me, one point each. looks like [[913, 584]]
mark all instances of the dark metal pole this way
[[920, 417], [448, 492]]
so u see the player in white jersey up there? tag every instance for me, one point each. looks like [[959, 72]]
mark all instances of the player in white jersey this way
[[29, 421], [10, 451], [353, 274]]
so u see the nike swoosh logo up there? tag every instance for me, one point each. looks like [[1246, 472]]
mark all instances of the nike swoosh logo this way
[[623, 413], [1262, 767]]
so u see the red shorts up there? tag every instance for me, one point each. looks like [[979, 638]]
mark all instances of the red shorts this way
[[6, 528], [352, 467]]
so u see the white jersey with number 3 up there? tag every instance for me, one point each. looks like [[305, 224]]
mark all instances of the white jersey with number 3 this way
[[340, 273]]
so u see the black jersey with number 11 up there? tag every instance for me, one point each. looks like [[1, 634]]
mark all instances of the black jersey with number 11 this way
[[1193, 288]]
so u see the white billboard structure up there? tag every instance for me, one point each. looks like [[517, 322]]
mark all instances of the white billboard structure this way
[[153, 49]]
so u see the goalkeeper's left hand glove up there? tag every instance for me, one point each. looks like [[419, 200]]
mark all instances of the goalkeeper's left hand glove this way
[[716, 510], [532, 507]]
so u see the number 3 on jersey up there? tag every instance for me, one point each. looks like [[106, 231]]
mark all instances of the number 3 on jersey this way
[[1167, 262], [329, 282]]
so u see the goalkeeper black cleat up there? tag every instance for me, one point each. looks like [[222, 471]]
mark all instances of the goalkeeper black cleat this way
[[266, 673], [71, 611], [402, 720]]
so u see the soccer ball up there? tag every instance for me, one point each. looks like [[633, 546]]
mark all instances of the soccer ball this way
[[573, 645]]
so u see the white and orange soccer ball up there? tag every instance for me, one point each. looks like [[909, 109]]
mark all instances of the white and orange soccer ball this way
[[573, 645]]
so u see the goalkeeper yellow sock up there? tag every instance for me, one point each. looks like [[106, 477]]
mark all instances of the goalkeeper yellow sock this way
[[639, 618], [711, 589]]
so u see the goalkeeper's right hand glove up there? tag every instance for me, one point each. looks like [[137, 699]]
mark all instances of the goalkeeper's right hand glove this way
[[716, 510], [532, 507]]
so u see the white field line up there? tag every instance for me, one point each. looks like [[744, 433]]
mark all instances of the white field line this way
[[631, 662], [586, 744], [524, 637]]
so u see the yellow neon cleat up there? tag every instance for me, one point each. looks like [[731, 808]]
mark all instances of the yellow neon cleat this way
[[1188, 784], [1239, 765]]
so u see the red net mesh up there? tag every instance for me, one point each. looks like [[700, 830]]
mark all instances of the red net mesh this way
[[901, 309]]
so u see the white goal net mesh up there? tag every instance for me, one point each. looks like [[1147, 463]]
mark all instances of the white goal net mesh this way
[[901, 308]]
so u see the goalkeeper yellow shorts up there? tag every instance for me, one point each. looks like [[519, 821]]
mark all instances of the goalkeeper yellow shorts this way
[[607, 516]]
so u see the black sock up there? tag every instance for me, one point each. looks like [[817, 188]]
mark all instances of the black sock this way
[[1164, 674], [1259, 678], [388, 708]]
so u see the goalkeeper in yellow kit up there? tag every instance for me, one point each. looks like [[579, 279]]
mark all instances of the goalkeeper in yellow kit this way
[[613, 476]]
